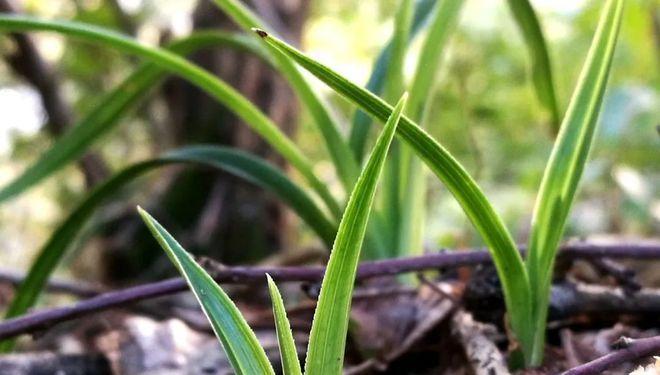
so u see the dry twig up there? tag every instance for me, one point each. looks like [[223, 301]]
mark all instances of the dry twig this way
[[42, 319], [633, 349], [484, 357]]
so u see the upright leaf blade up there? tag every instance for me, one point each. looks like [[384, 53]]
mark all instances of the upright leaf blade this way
[[413, 176], [239, 341], [566, 164], [288, 352], [394, 84], [532, 34], [327, 339], [443, 22], [361, 121], [508, 262], [394, 80]]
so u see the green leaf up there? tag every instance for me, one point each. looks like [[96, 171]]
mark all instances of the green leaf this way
[[413, 176], [327, 339], [361, 122], [264, 175], [208, 82], [566, 165], [530, 28], [241, 345], [443, 22], [508, 262], [288, 352], [230, 160], [394, 85], [106, 114], [394, 79], [345, 164]]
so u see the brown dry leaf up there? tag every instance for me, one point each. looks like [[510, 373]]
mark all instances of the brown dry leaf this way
[[387, 328]]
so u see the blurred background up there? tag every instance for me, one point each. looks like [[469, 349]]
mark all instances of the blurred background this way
[[485, 113]]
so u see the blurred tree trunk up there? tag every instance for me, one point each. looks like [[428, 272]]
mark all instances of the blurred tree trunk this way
[[214, 213]]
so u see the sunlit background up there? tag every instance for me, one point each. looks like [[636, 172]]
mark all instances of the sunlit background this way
[[485, 112]]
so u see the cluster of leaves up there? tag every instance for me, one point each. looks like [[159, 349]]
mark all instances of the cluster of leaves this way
[[328, 336], [526, 283]]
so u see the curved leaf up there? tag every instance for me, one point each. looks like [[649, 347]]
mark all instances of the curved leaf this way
[[230, 160], [288, 352], [345, 164], [327, 339], [566, 164], [544, 85], [478, 209], [179, 66], [109, 110], [245, 354], [361, 121], [411, 225]]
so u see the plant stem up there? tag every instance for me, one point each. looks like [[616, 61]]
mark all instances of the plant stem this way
[[634, 348]]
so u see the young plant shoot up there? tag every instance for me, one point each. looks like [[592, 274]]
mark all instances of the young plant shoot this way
[[327, 340], [526, 287], [340, 222]]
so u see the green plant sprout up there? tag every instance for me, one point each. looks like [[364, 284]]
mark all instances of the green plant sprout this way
[[110, 109], [525, 285], [327, 339], [400, 207]]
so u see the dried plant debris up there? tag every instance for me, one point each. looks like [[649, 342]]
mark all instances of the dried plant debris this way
[[652, 369], [482, 353], [129, 344], [53, 363], [387, 328], [587, 346]]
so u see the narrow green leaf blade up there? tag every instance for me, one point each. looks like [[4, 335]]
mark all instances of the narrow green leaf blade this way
[[239, 341], [413, 176], [327, 339], [230, 160], [394, 79], [288, 352], [394, 84], [106, 114], [345, 164], [443, 22], [542, 76], [509, 264], [361, 121], [205, 80], [566, 164]]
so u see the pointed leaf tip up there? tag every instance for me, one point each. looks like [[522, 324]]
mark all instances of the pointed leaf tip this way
[[237, 338]]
